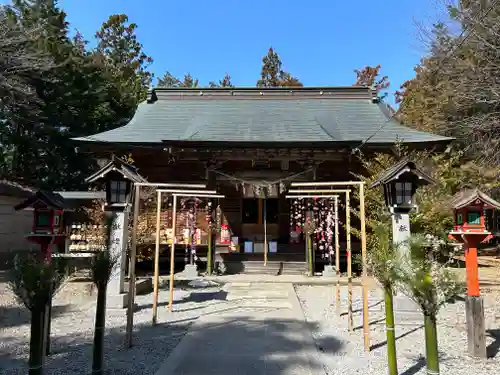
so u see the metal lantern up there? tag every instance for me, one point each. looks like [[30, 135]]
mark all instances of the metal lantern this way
[[118, 177], [400, 183], [399, 193], [117, 189]]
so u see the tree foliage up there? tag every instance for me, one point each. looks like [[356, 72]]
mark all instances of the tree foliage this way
[[452, 173], [224, 82], [456, 90], [77, 91], [369, 76], [272, 73], [429, 283], [122, 55]]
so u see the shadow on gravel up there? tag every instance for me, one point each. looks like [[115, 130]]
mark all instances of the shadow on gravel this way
[[361, 309], [493, 349], [14, 316], [383, 343], [416, 367], [236, 345], [197, 297]]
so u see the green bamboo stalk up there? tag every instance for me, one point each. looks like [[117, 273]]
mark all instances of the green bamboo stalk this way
[[36, 342], [100, 322], [431, 344], [209, 254], [390, 332]]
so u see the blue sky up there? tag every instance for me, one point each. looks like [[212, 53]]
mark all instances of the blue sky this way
[[319, 41]]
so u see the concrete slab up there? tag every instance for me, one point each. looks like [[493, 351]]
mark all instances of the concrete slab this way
[[253, 340]]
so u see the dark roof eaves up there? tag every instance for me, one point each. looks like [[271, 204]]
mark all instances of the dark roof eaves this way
[[52, 199], [127, 170], [389, 174]]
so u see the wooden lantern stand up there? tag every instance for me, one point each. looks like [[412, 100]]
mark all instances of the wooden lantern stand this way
[[470, 230]]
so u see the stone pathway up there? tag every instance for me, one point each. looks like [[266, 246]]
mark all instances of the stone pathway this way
[[261, 330]]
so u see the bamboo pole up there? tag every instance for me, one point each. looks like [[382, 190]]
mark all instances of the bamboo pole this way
[[313, 196], [197, 195], [366, 324], [172, 254], [131, 281], [337, 255], [264, 208], [157, 259], [209, 252], [182, 191], [171, 185], [328, 183], [310, 254], [317, 191], [349, 261]]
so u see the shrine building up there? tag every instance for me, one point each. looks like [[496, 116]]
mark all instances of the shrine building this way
[[249, 144]]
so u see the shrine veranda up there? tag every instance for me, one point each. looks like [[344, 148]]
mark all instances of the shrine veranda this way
[[249, 145]]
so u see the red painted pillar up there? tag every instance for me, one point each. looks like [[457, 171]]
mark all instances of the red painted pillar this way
[[471, 267]]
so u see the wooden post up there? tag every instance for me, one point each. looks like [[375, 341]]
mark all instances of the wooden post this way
[[474, 305], [264, 209], [337, 255], [157, 259], [366, 324], [172, 254], [349, 261], [131, 282], [310, 254], [209, 252]]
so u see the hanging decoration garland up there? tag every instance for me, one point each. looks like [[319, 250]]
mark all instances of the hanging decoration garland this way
[[218, 219], [321, 225], [166, 205], [192, 213], [184, 217], [330, 224], [297, 220], [209, 214]]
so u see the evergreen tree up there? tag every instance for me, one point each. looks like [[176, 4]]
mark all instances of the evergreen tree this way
[[86, 92], [168, 80], [272, 73], [224, 82], [123, 55], [189, 81]]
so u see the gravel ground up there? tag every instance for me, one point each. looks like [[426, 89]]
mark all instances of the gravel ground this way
[[73, 324], [319, 308]]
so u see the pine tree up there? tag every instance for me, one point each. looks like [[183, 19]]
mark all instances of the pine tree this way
[[272, 73]]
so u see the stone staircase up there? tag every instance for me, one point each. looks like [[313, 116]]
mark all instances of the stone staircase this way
[[272, 267]]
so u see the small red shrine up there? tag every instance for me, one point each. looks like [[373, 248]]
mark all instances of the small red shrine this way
[[470, 229], [48, 219], [469, 208]]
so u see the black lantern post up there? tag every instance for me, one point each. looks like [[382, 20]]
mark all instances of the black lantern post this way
[[118, 190], [118, 177], [400, 182]]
